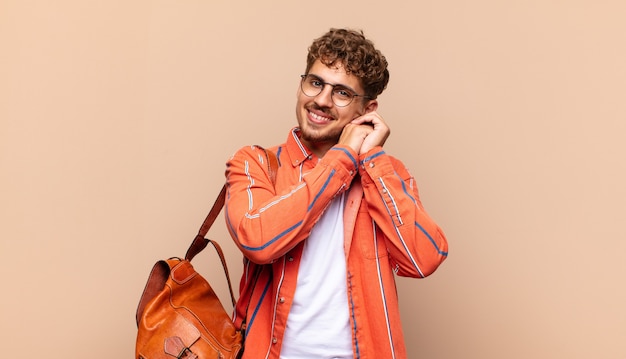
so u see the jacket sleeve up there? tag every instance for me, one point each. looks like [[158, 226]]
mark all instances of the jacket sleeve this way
[[266, 222], [416, 244]]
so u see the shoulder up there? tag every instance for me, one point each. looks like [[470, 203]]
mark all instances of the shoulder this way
[[252, 155], [249, 152]]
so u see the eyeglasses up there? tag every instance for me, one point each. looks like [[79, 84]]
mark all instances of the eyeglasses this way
[[341, 95]]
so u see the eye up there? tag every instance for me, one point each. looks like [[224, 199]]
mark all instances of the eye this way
[[342, 92], [316, 82]]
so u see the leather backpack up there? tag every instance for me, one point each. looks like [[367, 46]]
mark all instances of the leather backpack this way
[[179, 315]]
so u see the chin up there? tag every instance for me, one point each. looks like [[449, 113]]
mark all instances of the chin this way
[[313, 135]]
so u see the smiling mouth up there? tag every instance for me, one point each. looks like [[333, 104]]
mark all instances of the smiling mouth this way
[[318, 118]]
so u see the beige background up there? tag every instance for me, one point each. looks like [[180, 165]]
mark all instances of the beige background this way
[[117, 118]]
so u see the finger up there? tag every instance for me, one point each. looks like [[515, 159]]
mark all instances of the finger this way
[[371, 117]]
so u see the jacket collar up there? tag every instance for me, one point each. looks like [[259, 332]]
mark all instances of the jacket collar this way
[[298, 153]]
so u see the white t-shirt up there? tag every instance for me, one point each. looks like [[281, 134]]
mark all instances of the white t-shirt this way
[[318, 324]]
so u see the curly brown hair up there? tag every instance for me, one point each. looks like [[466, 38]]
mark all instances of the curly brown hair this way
[[356, 54]]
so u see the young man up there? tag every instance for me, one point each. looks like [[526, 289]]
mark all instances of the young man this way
[[323, 244]]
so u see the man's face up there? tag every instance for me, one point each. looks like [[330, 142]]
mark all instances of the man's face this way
[[320, 120]]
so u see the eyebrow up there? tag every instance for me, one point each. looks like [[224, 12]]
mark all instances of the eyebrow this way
[[334, 85]]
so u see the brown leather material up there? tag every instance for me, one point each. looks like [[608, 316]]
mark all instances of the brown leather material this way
[[183, 272], [189, 310], [179, 315], [174, 346]]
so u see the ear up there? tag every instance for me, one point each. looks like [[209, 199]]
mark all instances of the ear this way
[[371, 106]]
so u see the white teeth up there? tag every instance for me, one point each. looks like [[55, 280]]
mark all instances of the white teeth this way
[[318, 117]]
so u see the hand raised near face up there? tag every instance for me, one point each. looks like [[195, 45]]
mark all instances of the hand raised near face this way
[[365, 132]]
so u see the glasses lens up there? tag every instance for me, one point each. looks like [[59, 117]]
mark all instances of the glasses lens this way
[[311, 85], [342, 96]]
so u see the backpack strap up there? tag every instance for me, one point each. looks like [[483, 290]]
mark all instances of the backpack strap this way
[[200, 241]]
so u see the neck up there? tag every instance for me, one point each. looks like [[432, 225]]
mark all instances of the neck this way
[[319, 146]]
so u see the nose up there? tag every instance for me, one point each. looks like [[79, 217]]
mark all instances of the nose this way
[[325, 97]]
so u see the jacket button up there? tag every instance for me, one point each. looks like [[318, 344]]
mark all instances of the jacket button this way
[[290, 259], [371, 164], [274, 340], [282, 299]]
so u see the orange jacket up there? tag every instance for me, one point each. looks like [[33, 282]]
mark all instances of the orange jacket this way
[[386, 230]]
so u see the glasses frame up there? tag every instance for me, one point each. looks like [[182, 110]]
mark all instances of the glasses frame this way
[[332, 92]]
